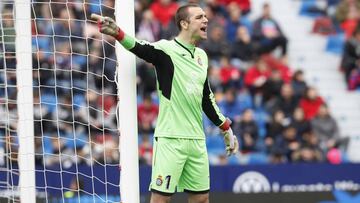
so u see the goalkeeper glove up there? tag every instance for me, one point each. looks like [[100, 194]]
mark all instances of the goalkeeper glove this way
[[231, 142], [108, 26]]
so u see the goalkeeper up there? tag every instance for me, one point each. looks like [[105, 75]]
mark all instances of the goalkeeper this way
[[180, 160]]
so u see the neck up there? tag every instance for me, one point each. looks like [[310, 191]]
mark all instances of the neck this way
[[187, 38]]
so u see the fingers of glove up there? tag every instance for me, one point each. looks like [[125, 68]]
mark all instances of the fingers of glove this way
[[229, 151], [232, 149], [231, 138], [109, 20], [236, 144]]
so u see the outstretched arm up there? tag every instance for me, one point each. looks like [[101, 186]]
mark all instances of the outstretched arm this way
[[145, 51]]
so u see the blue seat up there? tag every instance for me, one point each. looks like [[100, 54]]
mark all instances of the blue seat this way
[[306, 8], [335, 43], [215, 144], [79, 100], [233, 160], [50, 101], [258, 158]]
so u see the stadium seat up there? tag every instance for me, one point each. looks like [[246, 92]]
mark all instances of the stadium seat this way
[[258, 158], [335, 43], [215, 144], [50, 101], [307, 7]]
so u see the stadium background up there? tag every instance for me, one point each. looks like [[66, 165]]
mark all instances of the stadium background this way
[[294, 101]]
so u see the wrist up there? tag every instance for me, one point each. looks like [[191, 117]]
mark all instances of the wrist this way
[[120, 35], [226, 125]]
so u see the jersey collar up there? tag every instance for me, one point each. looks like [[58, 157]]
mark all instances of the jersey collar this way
[[188, 47]]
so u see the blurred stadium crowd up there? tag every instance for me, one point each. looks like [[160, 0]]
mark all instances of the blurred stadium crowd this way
[[277, 117]]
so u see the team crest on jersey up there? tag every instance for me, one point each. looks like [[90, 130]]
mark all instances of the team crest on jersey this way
[[159, 180], [199, 61]]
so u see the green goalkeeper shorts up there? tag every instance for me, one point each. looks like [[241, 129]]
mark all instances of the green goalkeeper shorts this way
[[179, 165]]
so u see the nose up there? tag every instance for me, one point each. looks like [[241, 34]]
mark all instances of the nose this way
[[206, 20]]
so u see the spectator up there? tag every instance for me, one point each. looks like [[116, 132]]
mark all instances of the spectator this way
[[310, 150], [351, 54], [216, 45], [107, 103], [164, 11], [257, 75], [88, 113], [288, 142], [215, 19], [147, 115], [64, 111], [298, 121], [146, 78], [280, 65], [311, 103], [307, 155], [214, 79], [145, 151], [348, 14], [244, 5], [326, 128], [354, 80], [243, 48], [286, 102], [247, 130], [267, 33], [298, 83], [232, 22], [42, 116], [275, 127], [276, 157], [230, 76], [230, 105], [273, 86], [105, 149], [149, 28], [8, 30]]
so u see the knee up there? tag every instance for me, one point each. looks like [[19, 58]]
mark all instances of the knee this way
[[158, 198], [199, 198]]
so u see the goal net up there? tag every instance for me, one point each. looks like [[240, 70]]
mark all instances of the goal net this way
[[75, 114]]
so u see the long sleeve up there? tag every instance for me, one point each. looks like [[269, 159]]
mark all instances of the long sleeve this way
[[163, 63], [143, 50], [210, 107]]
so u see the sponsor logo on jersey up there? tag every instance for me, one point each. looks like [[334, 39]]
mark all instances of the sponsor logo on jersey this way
[[251, 182], [159, 180]]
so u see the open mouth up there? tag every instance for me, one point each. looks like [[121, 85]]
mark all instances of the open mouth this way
[[203, 29]]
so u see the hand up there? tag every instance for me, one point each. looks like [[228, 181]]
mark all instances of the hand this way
[[231, 142], [108, 26]]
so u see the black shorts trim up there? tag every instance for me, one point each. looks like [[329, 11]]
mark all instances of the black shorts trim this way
[[196, 192], [162, 193]]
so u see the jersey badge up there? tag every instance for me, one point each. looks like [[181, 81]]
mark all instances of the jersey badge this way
[[159, 180], [199, 61]]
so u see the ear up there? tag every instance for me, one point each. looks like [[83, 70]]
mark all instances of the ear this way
[[184, 24]]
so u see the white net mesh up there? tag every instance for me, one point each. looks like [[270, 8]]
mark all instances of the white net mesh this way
[[75, 97], [9, 174]]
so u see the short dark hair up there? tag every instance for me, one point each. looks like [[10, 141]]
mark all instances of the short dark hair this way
[[183, 14]]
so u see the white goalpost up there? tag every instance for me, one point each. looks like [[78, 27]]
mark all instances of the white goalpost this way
[[26, 154], [124, 12], [68, 124]]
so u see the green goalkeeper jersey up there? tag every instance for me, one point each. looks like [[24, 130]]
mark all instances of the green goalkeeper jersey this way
[[183, 87]]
